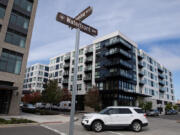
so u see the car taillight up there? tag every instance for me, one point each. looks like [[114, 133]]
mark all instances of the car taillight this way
[[145, 115]]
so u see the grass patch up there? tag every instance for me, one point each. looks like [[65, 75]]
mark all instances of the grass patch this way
[[15, 121]]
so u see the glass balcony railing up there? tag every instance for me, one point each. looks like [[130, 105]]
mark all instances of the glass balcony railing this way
[[161, 82], [90, 59], [87, 78], [140, 64], [118, 51], [89, 51], [160, 69], [161, 76], [66, 65], [141, 82], [162, 89], [65, 81], [67, 58], [88, 69], [141, 73]]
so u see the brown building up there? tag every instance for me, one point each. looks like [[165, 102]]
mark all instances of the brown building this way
[[16, 24]]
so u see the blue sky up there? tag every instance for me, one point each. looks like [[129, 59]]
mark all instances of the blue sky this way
[[153, 24]]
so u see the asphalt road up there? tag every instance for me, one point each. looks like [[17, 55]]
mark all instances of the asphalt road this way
[[27, 130], [157, 126]]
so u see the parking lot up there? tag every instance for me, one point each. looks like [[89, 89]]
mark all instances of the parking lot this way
[[162, 125]]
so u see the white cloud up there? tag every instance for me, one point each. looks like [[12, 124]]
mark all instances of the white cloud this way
[[167, 56], [140, 20]]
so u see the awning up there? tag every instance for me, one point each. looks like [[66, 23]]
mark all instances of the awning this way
[[6, 87]]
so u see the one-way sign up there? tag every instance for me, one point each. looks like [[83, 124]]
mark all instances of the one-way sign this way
[[76, 24]]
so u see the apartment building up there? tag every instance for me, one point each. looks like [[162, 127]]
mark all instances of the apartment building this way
[[35, 78], [124, 74], [16, 24], [155, 80]]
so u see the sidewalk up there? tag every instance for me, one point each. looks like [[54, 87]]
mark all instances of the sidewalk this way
[[41, 118]]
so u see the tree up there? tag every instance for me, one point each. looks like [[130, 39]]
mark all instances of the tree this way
[[32, 97], [175, 107], [168, 106], [92, 99], [65, 95], [52, 93], [148, 106]]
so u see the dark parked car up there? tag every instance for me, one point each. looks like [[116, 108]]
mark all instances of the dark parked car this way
[[171, 112], [153, 113], [28, 108]]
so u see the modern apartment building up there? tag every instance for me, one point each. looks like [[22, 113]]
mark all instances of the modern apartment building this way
[[16, 24], [124, 74], [35, 78]]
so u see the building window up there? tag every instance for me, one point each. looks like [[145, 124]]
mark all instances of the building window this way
[[19, 20], [16, 39], [79, 77], [24, 4], [57, 59], [81, 52], [79, 87], [11, 61], [81, 60], [2, 12], [80, 68]]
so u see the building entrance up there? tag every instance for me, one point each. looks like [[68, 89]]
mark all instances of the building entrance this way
[[5, 98]]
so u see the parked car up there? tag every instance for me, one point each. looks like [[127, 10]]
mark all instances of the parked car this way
[[115, 117], [65, 105], [48, 106], [153, 113], [171, 112], [40, 105], [28, 108]]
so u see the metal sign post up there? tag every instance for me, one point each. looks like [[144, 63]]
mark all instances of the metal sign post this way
[[76, 23], [73, 102]]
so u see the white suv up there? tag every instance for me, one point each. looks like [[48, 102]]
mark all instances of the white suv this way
[[115, 116]]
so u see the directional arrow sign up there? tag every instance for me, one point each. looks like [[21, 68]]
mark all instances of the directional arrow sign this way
[[76, 24]]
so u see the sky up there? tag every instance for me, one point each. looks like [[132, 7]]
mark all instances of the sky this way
[[153, 24]]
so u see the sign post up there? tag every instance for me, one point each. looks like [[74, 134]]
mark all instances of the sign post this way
[[76, 23]]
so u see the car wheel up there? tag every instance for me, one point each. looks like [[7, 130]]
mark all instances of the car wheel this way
[[97, 126], [136, 126]]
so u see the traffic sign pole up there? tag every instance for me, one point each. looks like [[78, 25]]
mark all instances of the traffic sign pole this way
[[73, 102]]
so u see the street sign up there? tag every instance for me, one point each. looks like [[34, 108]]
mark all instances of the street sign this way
[[76, 24], [84, 14]]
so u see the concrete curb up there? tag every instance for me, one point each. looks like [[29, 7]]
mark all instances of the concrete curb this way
[[18, 125]]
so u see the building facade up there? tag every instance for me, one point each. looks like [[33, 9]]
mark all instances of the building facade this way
[[16, 24], [35, 78], [124, 74]]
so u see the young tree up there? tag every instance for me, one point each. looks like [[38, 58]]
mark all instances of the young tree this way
[[52, 93], [148, 106], [168, 106], [175, 107], [92, 99]]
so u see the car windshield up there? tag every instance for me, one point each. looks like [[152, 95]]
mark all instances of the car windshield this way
[[30, 105], [104, 111]]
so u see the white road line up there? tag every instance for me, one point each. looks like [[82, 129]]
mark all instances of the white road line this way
[[117, 133], [54, 130]]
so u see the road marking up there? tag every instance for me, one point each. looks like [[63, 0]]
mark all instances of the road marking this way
[[117, 133], [54, 130]]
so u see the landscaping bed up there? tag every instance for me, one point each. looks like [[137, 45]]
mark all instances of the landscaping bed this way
[[15, 121]]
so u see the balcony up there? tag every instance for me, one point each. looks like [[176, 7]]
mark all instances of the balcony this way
[[89, 60], [141, 82], [141, 73], [65, 81], [118, 52], [4, 2], [140, 56], [66, 66], [162, 89], [121, 63], [120, 73], [89, 51], [67, 58], [88, 69], [87, 78], [160, 69], [66, 74], [140, 65], [161, 82], [117, 41], [161, 76]]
